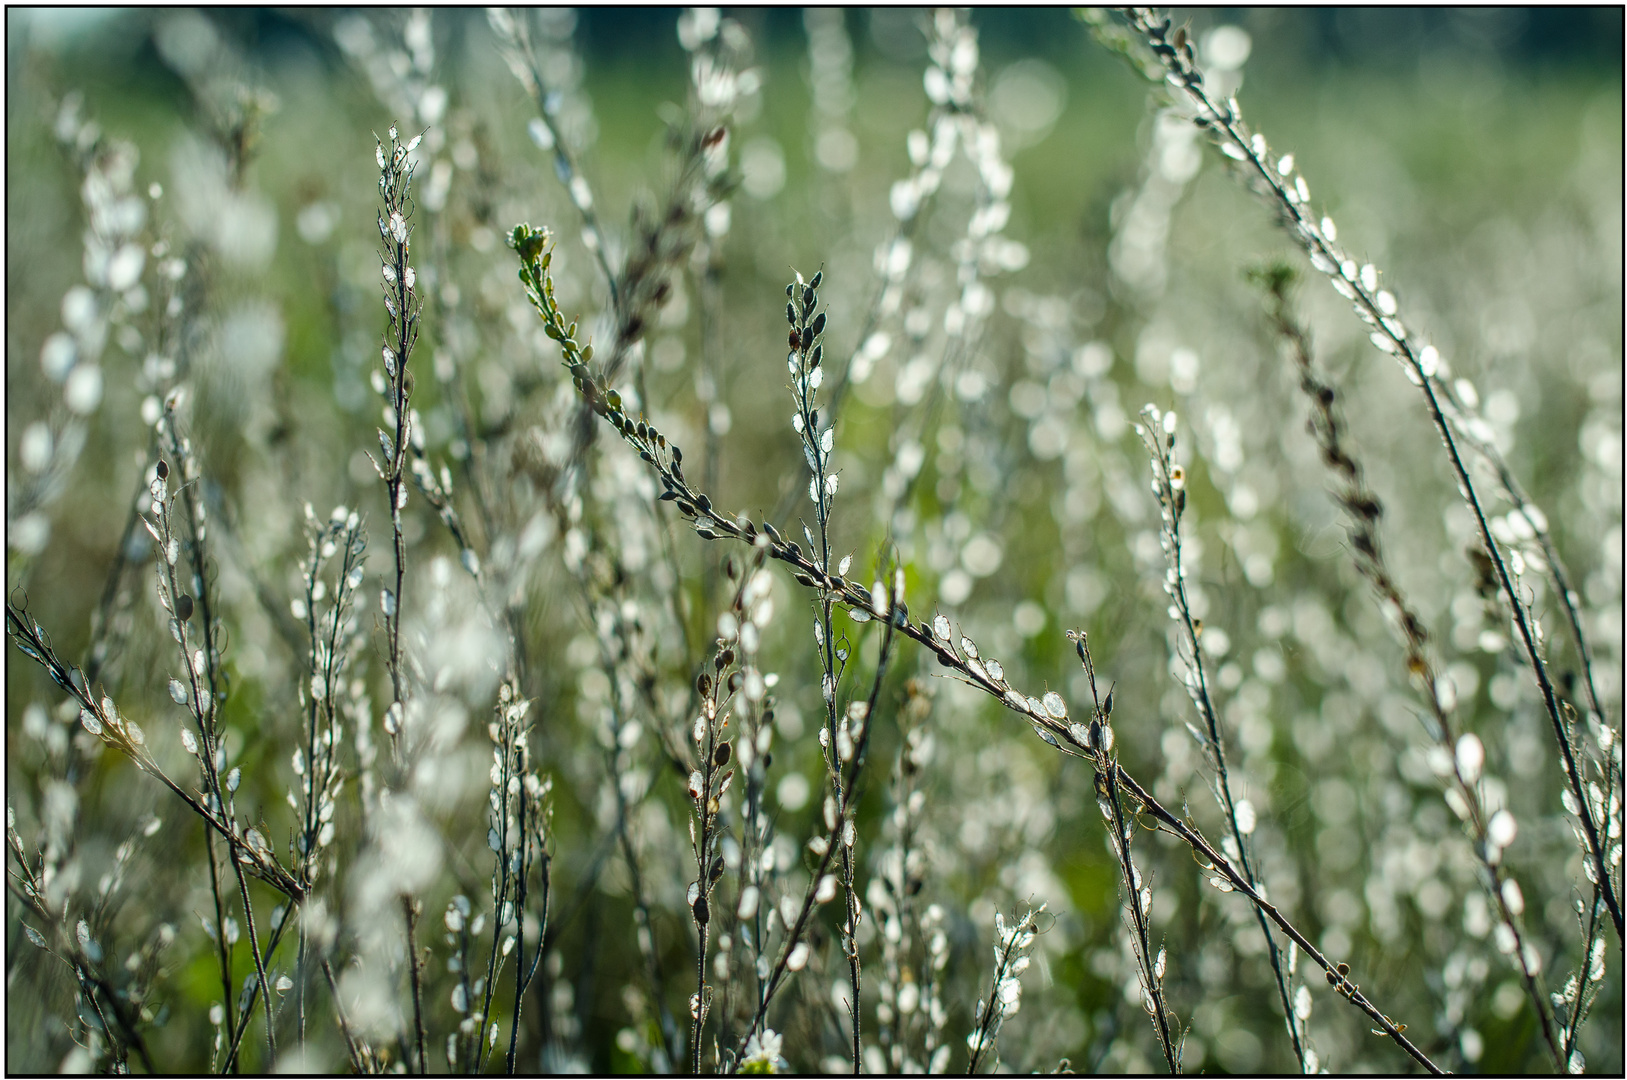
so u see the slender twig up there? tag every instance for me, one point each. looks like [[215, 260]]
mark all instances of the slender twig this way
[[94, 986], [101, 717], [522, 974]]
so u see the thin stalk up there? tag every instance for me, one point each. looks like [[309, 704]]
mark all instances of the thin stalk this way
[[254, 993], [351, 1048], [522, 984], [1169, 479], [410, 913], [1151, 980], [222, 952]]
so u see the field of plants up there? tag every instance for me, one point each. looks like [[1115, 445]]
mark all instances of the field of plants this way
[[814, 541]]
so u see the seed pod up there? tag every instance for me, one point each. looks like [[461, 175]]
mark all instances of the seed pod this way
[[183, 607], [720, 756], [163, 469], [702, 914], [717, 869]]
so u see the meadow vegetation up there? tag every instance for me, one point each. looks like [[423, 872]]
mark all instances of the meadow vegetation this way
[[826, 541]]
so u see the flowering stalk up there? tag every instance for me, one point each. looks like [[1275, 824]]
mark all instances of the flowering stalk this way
[[617, 636], [1169, 485], [1011, 959], [519, 814], [333, 641], [750, 913], [957, 124], [818, 444], [710, 775], [402, 304], [395, 386], [93, 313], [250, 854], [201, 694]]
